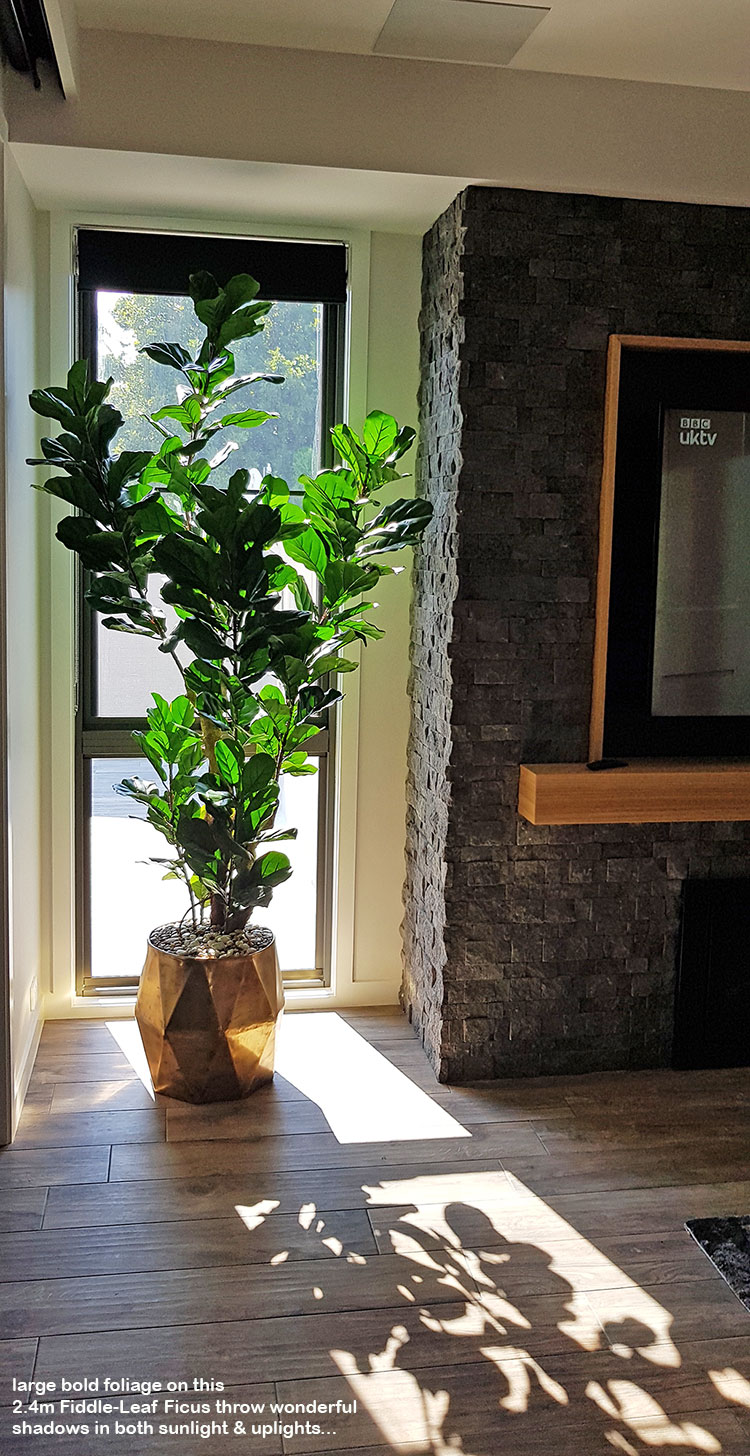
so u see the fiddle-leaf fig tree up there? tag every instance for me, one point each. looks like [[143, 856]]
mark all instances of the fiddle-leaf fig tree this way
[[260, 597]]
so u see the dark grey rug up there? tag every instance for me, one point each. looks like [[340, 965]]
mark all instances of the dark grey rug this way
[[726, 1241]]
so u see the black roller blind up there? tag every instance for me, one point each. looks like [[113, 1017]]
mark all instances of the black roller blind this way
[[294, 272]]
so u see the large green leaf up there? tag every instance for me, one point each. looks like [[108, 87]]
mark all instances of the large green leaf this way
[[202, 285], [97, 549], [78, 384], [53, 404], [198, 841], [308, 549], [270, 836], [337, 487], [204, 641], [254, 884], [106, 594], [403, 442], [330, 662], [302, 596], [242, 380], [399, 524], [257, 773], [171, 719], [66, 451], [350, 448], [248, 419], [244, 323], [240, 290], [313, 701], [76, 491], [345, 579], [229, 761], [273, 868], [103, 428], [379, 434], [228, 313], [188, 414], [172, 354], [189, 561], [128, 465], [273, 490]]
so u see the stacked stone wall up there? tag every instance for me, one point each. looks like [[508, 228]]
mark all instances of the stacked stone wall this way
[[530, 949]]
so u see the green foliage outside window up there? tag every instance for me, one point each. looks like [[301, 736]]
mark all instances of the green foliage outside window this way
[[288, 345]]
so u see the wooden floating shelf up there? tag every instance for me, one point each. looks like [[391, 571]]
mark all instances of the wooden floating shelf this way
[[645, 792]]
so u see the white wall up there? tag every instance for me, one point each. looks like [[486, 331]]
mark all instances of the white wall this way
[[22, 515], [392, 383]]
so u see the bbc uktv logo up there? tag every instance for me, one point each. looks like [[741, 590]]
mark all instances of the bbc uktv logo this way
[[696, 431]]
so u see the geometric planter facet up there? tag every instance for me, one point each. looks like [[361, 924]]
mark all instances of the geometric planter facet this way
[[208, 1026]]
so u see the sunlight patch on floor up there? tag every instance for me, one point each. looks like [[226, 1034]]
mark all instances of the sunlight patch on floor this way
[[732, 1386], [521, 1272], [103, 1093], [624, 1400], [438, 1188], [438, 1213], [397, 1404], [128, 1039], [253, 1215], [363, 1096]]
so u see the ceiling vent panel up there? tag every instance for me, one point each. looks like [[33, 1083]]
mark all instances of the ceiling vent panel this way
[[475, 32]]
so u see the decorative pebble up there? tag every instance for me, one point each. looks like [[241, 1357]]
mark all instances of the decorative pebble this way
[[208, 943]]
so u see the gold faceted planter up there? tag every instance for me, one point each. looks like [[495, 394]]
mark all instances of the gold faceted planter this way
[[209, 1025]]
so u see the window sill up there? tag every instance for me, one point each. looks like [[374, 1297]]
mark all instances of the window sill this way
[[299, 996], [644, 792]]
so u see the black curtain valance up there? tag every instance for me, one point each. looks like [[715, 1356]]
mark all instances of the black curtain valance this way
[[295, 272]]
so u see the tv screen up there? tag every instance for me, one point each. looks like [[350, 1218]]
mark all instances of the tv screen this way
[[701, 662]]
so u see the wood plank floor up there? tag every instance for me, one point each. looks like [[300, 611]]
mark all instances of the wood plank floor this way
[[492, 1271]]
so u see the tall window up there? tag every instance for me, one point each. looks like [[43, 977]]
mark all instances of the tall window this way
[[121, 897]]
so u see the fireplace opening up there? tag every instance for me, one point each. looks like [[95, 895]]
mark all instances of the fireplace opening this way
[[712, 1006]]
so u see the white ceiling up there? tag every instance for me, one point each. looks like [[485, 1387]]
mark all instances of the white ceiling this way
[[685, 42], [147, 184]]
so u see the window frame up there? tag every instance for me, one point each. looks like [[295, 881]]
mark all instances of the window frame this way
[[97, 737]]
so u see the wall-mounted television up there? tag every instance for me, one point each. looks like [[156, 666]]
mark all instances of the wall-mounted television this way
[[672, 658]]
